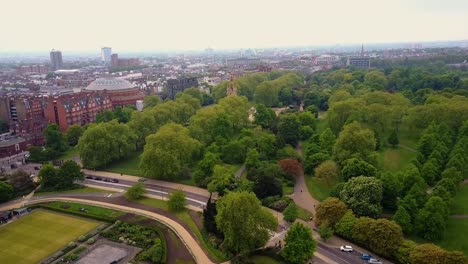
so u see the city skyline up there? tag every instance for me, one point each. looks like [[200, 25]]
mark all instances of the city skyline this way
[[179, 25]]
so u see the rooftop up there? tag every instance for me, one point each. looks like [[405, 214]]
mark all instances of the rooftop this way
[[109, 83]]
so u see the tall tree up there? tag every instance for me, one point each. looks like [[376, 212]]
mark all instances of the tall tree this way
[[168, 151], [74, 133], [288, 129], [299, 244], [431, 220], [355, 142], [327, 141], [243, 207], [363, 195], [330, 211], [327, 171], [393, 139], [355, 167], [55, 139], [6, 191], [265, 117]]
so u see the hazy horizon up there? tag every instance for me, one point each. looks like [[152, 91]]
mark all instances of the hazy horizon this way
[[165, 26]]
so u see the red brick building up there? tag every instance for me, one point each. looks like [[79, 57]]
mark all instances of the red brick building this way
[[76, 109]]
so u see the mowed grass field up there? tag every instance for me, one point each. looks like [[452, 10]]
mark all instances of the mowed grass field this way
[[395, 159], [39, 234], [459, 203]]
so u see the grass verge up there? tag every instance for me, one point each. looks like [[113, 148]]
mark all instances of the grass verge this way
[[77, 190], [460, 201], [455, 235], [395, 159], [318, 188]]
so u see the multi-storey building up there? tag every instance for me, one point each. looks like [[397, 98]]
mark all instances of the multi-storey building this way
[[56, 59], [178, 85], [41, 69], [120, 91], [123, 63], [76, 109], [106, 54]]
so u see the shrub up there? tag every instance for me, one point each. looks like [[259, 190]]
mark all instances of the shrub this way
[[177, 201], [81, 239], [290, 213], [90, 241], [135, 192], [71, 245]]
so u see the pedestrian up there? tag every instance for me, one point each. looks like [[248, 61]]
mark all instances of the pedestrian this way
[[301, 190]]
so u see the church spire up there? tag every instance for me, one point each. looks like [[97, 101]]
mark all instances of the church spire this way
[[362, 50], [231, 90]]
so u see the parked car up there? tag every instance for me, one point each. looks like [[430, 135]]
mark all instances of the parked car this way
[[89, 177], [346, 248], [366, 256], [114, 180], [36, 168], [374, 261], [98, 179], [107, 179]]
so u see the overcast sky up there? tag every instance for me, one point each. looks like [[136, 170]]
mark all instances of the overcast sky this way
[[157, 25]]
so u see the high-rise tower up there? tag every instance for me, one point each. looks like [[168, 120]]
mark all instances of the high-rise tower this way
[[56, 59], [106, 53]]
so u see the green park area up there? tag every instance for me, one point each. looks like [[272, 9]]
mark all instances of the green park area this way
[[40, 234], [459, 204], [395, 159], [260, 259], [455, 235], [318, 188], [77, 190]]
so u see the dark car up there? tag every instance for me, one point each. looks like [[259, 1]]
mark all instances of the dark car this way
[[98, 179], [89, 177], [107, 180], [366, 256], [114, 180]]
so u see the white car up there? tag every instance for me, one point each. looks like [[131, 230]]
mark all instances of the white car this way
[[374, 261], [346, 248]]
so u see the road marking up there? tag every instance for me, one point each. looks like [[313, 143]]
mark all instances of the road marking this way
[[151, 190]]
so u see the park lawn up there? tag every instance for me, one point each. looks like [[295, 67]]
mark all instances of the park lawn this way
[[187, 219], [395, 159], [69, 154], [233, 168], [260, 259], [303, 214], [460, 201], [318, 188], [39, 234], [408, 136], [90, 210], [455, 235], [129, 165], [77, 190]]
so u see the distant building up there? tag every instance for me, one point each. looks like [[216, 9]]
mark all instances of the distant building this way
[[120, 91], [106, 54], [178, 85], [11, 145], [361, 61], [56, 59], [40, 69], [326, 59], [123, 63]]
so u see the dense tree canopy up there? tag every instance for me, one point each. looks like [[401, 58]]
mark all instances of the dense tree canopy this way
[[363, 195], [299, 244]]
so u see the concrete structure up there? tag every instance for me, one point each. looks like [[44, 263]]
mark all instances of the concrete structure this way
[[326, 59], [178, 85], [106, 54], [56, 61], [120, 91]]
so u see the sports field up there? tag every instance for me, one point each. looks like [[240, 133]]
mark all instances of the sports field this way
[[39, 234]]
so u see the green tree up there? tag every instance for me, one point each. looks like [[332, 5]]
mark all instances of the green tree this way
[[151, 101], [355, 167], [168, 151], [48, 176], [105, 142], [391, 189], [233, 152], [403, 218], [21, 182], [327, 171], [363, 195], [355, 142], [402, 255], [290, 213], [376, 80], [386, 237], [325, 231], [265, 117], [252, 160], [135, 192], [362, 232], [427, 254], [177, 201], [453, 174], [299, 244], [430, 171], [327, 141], [289, 129], [67, 174], [393, 139], [431, 220], [209, 214], [74, 133], [222, 180], [157, 252], [330, 211], [344, 227], [6, 191], [243, 207], [205, 167], [448, 185], [55, 140]]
